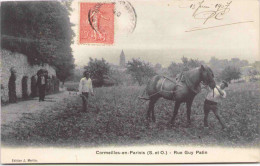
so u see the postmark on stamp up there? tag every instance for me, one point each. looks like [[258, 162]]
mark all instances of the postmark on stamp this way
[[126, 17], [96, 23]]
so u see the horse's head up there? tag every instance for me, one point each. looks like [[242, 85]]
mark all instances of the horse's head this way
[[207, 76]]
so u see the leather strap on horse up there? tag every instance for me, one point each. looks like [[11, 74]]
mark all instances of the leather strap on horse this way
[[161, 90], [162, 84], [169, 79], [172, 91]]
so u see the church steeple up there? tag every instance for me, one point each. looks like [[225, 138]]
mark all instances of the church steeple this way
[[122, 59]]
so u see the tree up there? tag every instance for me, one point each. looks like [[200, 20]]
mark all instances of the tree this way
[[187, 64], [140, 71], [157, 67], [230, 73], [98, 69], [218, 64], [40, 30], [252, 74], [120, 77], [175, 68], [256, 65], [77, 74], [193, 63]]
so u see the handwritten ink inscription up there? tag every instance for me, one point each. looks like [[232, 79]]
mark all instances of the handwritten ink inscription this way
[[209, 11]]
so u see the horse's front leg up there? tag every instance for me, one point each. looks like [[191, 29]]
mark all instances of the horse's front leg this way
[[188, 106], [151, 109], [153, 117], [175, 112]]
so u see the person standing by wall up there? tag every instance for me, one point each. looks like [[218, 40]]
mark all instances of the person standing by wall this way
[[85, 87], [12, 87], [41, 83]]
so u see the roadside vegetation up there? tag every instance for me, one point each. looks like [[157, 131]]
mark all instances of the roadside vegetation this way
[[117, 117]]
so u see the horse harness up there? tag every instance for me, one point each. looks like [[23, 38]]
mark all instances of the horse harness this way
[[182, 79], [162, 90]]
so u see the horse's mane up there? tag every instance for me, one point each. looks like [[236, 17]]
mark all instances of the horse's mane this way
[[209, 69], [189, 83]]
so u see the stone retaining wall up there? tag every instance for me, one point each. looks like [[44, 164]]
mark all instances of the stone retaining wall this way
[[19, 63]]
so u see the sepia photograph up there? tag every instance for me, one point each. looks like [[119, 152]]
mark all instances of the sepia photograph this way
[[120, 81]]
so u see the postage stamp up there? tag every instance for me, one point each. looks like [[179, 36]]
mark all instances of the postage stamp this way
[[96, 23]]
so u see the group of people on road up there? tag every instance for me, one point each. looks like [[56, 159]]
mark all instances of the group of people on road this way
[[41, 84]]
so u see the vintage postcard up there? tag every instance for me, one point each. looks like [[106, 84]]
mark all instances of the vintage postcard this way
[[130, 81]]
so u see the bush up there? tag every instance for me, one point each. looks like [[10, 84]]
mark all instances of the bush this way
[[98, 70], [187, 64], [120, 77], [230, 73], [140, 71]]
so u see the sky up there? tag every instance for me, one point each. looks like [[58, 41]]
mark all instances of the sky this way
[[160, 37]]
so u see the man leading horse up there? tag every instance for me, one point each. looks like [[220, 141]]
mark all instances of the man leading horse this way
[[183, 91], [212, 101]]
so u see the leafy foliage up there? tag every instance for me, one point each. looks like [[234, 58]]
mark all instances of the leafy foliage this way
[[120, 77], [191, 63], [219, 64], [252, 74], [40, 30], [140, 71], [256, 65], [176, 68], [98, 70], [230, 73]]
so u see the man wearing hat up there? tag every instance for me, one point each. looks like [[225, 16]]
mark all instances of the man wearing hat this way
[[213, 97], [42, 83], [85, 87]]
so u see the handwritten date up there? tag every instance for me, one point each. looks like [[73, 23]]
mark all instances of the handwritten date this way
[[207, 12]]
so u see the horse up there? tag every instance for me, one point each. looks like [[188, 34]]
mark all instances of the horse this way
[[179, 91]]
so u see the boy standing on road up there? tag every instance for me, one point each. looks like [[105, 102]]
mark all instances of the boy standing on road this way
[[213, 97], [85, 87]]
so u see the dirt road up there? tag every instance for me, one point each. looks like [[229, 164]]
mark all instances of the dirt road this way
[[13, 112]]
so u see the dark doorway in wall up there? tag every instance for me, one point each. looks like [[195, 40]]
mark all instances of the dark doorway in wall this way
[[34, 86], [24, 87]]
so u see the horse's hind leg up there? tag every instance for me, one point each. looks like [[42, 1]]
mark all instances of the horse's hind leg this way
[[175, 112], [153, 116], [151, 108], [188, 105]]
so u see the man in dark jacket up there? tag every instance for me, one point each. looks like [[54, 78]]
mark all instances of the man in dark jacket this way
[[41, 83]]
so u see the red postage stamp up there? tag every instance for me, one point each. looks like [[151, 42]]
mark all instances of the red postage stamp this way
[[96, 23]]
